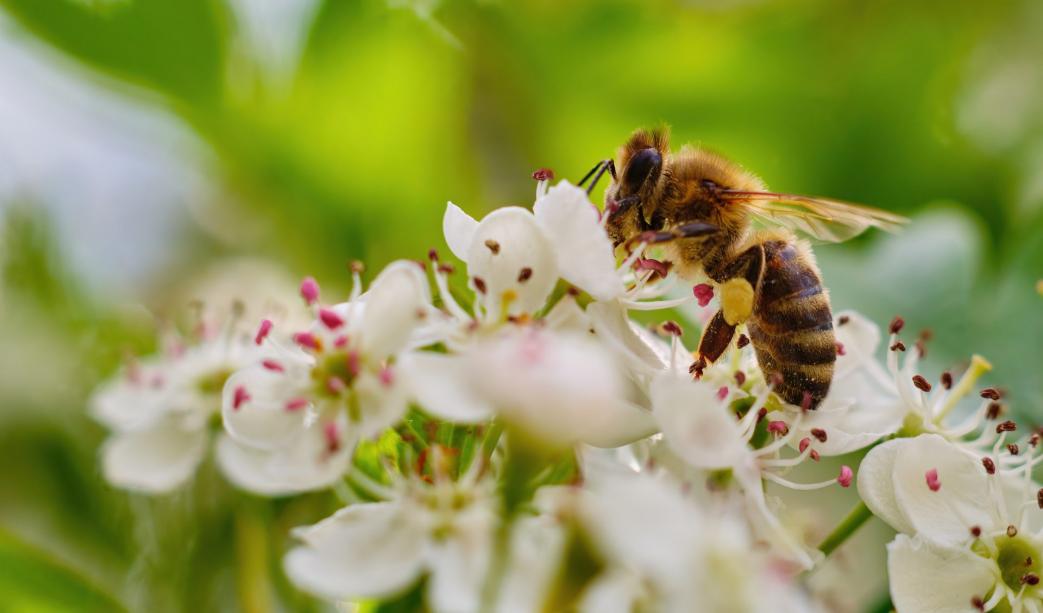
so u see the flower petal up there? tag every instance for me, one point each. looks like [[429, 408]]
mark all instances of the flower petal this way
[[696, 425], [395, 304], [514, 259], [584, 252], [458, 228], [155, 460], [440, 384], [364, 550], [944, 516], [876, 487], [927, 578], [458, 566], [254, 401]]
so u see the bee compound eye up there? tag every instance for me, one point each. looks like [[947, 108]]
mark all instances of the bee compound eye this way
[[642, 165]]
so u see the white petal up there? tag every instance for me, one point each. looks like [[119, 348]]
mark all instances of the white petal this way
[[458, 228], [615, 591], [567, 315], [458, 565], [876, 487], [519, 244], [612, 325], [124, 405], [364, 550], [155, 460], [535, 558], [441, 385], [262, 421], [945, 516], [860, 338], [394, 304], [929, 579], [584, 252], [302, 465], [850, 426], [697, 426], [381, 405]]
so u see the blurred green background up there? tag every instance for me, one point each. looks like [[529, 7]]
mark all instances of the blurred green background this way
[[144, 142]]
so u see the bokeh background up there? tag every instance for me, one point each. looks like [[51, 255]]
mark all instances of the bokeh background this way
[[157, 151]]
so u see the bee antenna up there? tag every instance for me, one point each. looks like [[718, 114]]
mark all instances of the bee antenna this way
[[598, 170]]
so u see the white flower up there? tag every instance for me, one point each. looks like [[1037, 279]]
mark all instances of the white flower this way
[[443, 528], [972, 536], [666, 553], [294, 417], [557, 387], [160, 409]]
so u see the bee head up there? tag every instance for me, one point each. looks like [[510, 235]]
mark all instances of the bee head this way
[[630, 199]]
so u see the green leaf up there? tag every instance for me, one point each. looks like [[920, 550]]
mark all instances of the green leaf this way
[[30, 580]]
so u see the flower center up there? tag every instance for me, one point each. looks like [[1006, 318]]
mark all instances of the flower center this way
[[212, 383], [1019, 561]]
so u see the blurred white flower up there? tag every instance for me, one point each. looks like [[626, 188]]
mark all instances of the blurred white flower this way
[[972, 535], [442, 528], [161, 409], [295, 416]]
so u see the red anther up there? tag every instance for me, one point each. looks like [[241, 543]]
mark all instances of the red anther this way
[[307, 340], [990, 466], [263, 331], [543, 174], [387, 376], [896, 325], [420, 263], [432, 254], [1030, 579], [933, 483], [898, 346], [846, 475], [673, 328], [332, 435], [309, 290], [524, 274], [492, 245], [239, 397], [296, 404], [921, 348], [1006, 426], [743, 341], [975, 531], [947, 380], [703, 294], [272, 365], [445, 269], [761, 414], [722, 392], [819, 434], [740, 377], [1013, 448], [335, 385], [353, 363], [840, 348], [991, 393], [1039, 498], [804, 442], [778, 427], [479, 284], [805, 401], [330, 319], [1034, 439], [573, 291], [1012, 531], [813, 455], [993, 410], [697, 367], [978, 603], [921, 383], [341, 341], [842, 320]]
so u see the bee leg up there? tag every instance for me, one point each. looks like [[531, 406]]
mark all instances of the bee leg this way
[[717, 336], [688, 230], [736, 300], [598, 170]]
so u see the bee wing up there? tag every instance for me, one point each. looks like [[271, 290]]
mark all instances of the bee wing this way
[[822, 218]]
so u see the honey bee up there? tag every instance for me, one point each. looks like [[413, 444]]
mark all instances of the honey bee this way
[[701, 209]]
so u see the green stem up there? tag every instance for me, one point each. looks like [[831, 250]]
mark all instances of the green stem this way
[[846, 528], [251, 545]]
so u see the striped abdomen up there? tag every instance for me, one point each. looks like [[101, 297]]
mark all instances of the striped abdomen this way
[[791, 325]]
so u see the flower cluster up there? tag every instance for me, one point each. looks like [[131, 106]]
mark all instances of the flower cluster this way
[[509, 437]]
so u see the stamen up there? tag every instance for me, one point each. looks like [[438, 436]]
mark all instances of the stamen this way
[[335, 385], [387, 376], [947, 380], [524, 274], [1006, 426], [743, 341], [332, 435], [357, 268], [341, 341], [543, 174], [263, 331], [840, 348], [1030, 579], [740, 378], [307, 340], [805, 405], [990, 466], [479, 284], [842, 320], [933, 483], [778, 427], [798, 486], [978, 603], [432, 254], [703, 294], [1013, 448], [309, 290], [353, 363], [846, 475], [296, 404], [1039, 498], [898, 346], [978, 367], [976, 531], [991, 393], [239, 397], [272, 365], [672, 328], [493, 246], [1012, 531], [994, 410], [330, 319], [660, 268], [819, 433], [896, 325], [921, 383]]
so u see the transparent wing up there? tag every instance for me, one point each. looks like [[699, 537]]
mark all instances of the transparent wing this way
[[822, 218]]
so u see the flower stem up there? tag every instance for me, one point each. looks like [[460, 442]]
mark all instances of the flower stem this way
[[251, 545], [852, 522]]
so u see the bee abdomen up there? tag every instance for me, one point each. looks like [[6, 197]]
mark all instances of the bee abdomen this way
[[792, 326]]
